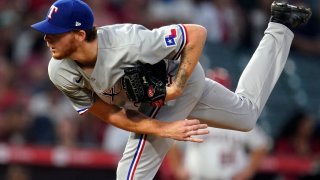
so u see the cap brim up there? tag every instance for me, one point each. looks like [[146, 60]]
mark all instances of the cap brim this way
[[47, 28]]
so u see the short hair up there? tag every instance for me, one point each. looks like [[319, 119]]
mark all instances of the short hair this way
[[91, 34]]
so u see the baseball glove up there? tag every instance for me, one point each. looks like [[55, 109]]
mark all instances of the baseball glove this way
[[146, 83]]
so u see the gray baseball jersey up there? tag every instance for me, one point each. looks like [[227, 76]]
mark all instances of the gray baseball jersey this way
[[122, 45]]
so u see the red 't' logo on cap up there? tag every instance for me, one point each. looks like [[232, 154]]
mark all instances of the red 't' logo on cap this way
[[53, 9]]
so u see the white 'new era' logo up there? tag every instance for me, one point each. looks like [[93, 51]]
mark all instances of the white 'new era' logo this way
[[77, 24]]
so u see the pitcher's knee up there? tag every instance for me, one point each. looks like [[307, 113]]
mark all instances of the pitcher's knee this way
[[249, 118], [248, 122], [248, 126]]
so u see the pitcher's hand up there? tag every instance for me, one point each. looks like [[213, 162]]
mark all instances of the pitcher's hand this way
[[185, 130]]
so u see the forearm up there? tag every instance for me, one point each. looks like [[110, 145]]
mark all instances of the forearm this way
[[136, 122], [190, 56], [130, 120]]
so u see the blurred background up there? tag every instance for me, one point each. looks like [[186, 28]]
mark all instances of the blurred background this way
[[42, 137]]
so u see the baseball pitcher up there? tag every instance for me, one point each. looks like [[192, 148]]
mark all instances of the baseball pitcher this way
[[105, 71]]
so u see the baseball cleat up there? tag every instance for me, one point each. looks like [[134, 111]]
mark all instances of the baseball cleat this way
[[289, 15]]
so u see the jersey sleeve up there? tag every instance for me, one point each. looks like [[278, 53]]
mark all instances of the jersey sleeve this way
[[68, 81], [166, 42]]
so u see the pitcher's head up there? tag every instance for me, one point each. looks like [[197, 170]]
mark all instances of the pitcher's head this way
[[65, 16], [67, 25]]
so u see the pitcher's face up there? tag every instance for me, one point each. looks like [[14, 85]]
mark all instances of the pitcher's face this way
[[61, 45]]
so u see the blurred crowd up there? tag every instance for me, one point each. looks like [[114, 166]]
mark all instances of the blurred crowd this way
[[33, 111]]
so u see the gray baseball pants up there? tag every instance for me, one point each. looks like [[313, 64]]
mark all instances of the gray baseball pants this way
[[212, 103]]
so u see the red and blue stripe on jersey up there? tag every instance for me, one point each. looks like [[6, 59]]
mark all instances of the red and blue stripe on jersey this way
[[184, 40]]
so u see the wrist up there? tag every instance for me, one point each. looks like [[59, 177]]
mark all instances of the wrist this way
[[158, 128], [178, 88], [173, 91]]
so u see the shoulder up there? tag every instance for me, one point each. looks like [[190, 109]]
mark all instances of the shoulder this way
[[62, 72], [116, 35], [120, 28]]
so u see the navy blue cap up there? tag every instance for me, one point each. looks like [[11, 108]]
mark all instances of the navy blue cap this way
[[64, 16]]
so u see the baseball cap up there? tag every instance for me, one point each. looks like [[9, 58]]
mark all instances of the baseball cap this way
[[64, 16]]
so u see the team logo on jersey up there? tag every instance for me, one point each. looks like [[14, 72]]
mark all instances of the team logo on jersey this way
[[170, 37]]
